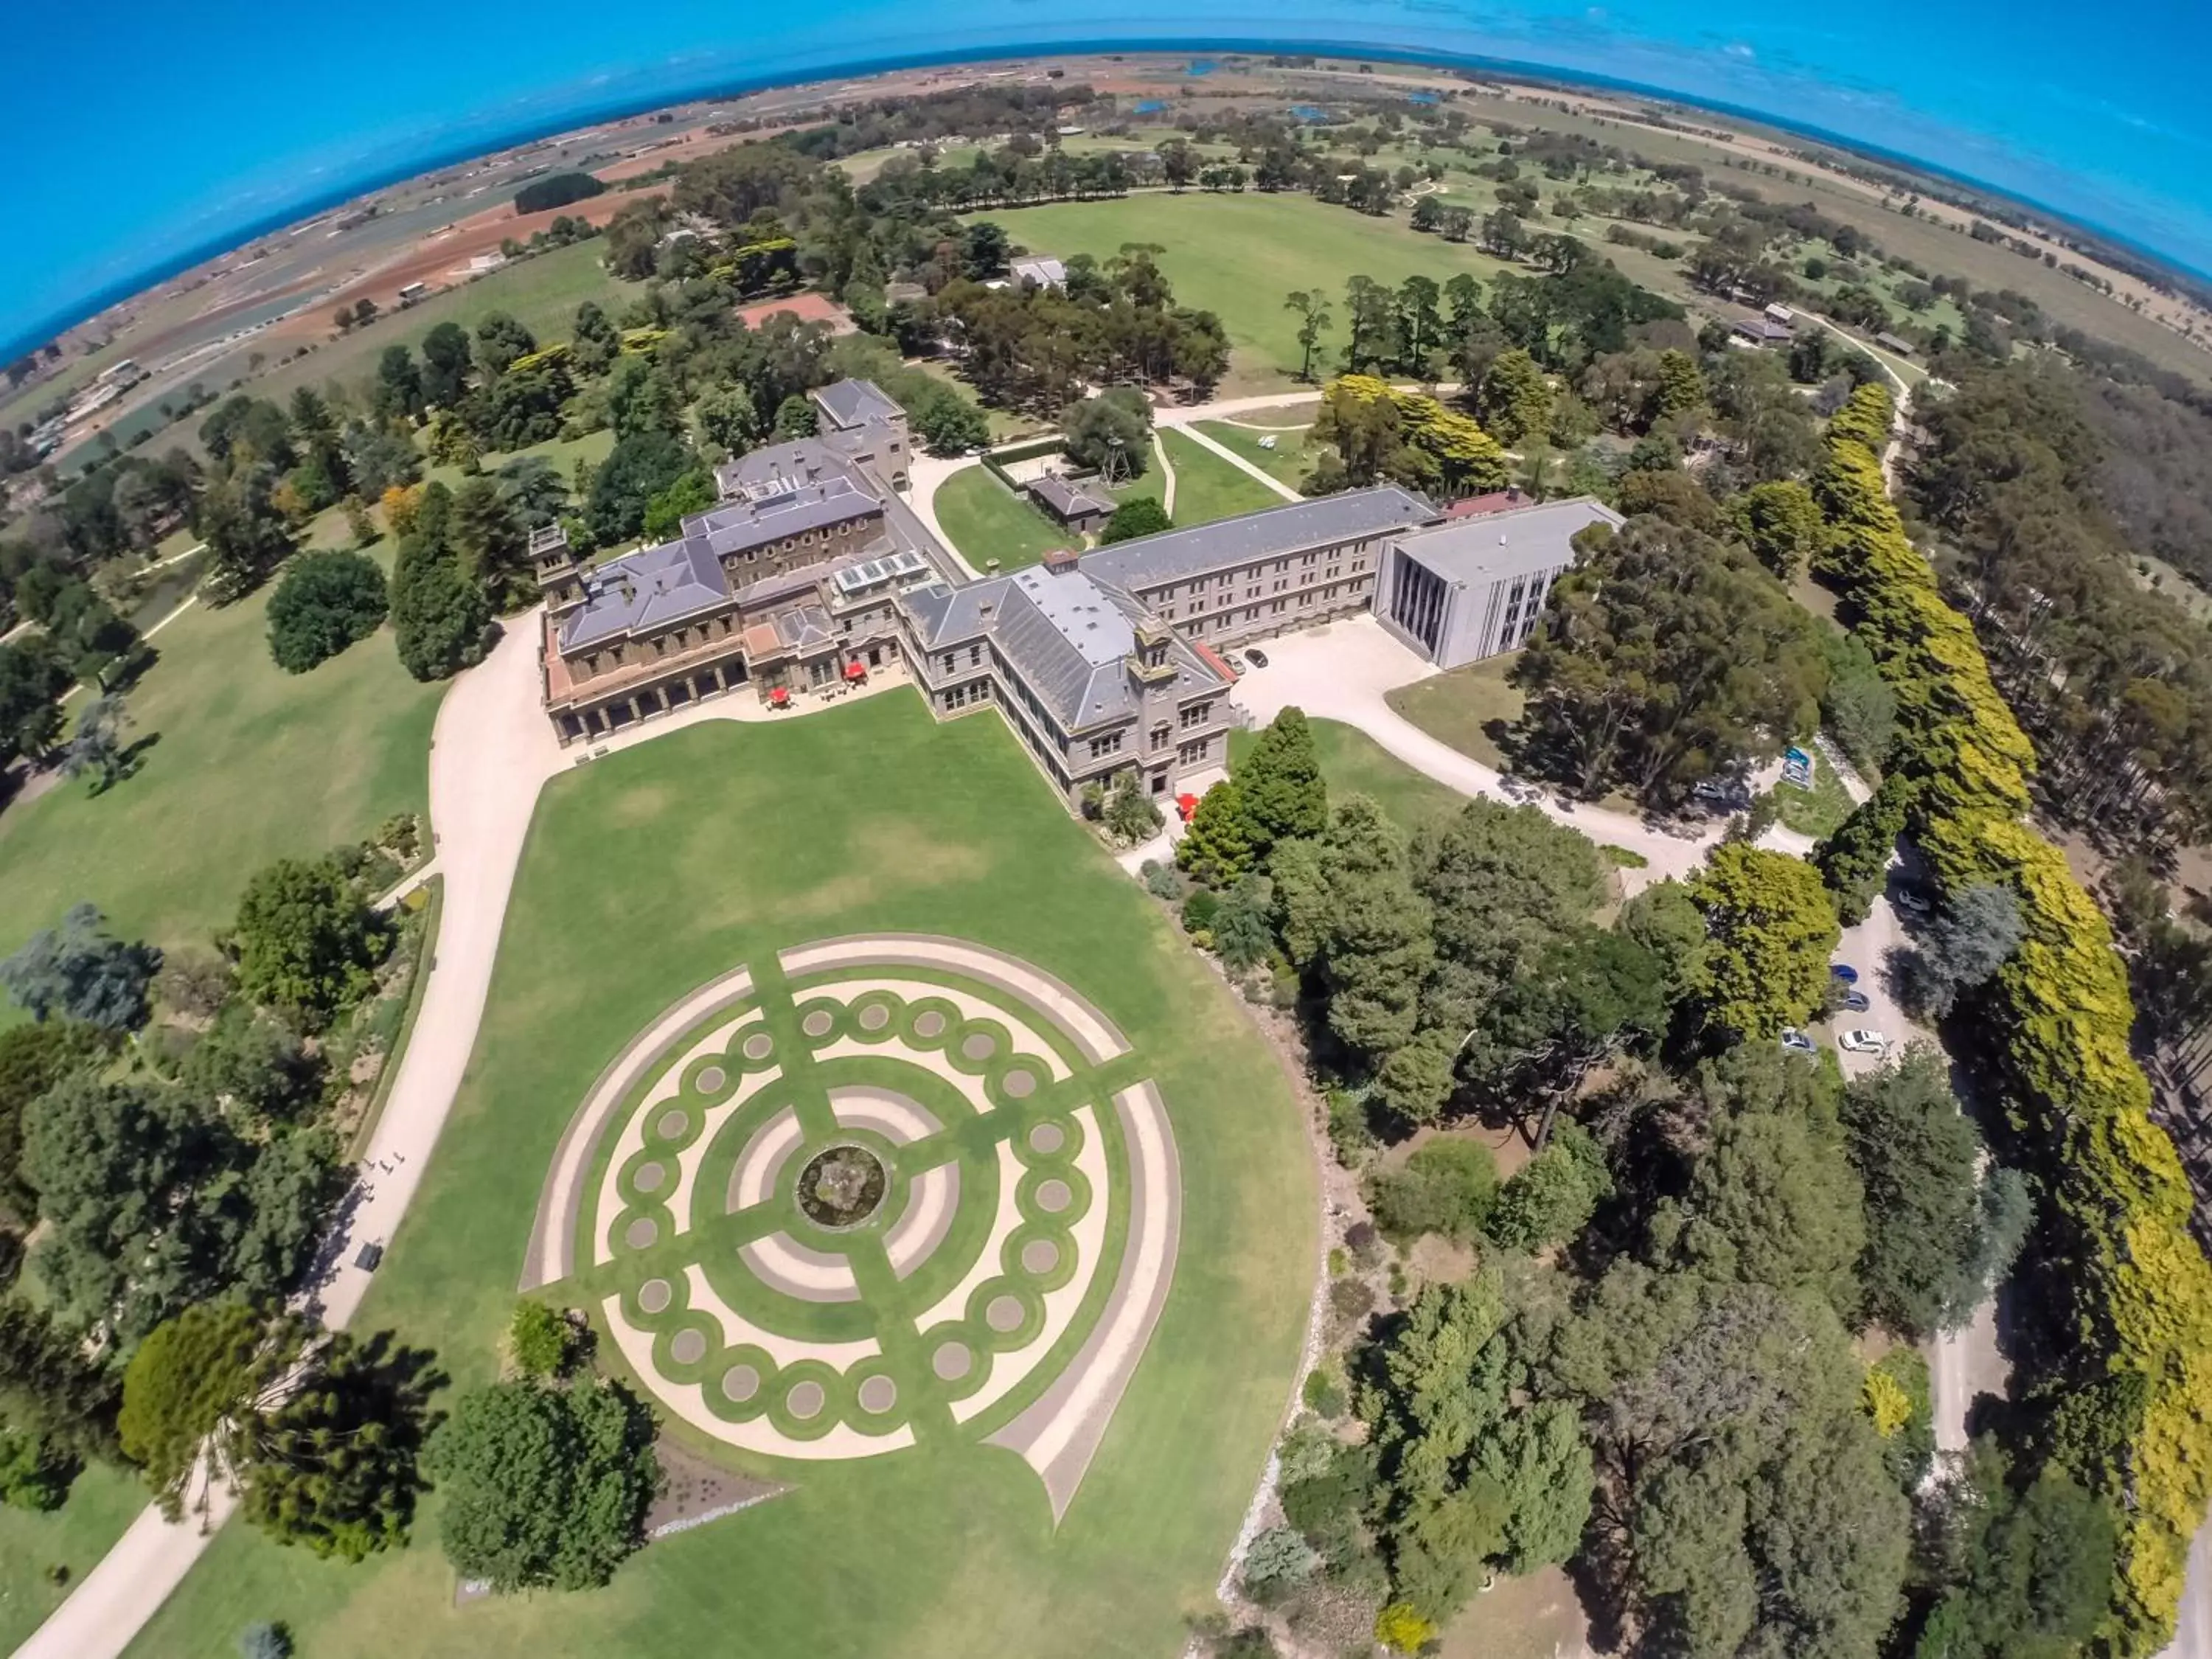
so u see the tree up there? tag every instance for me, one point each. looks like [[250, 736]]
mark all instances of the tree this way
[[1111, 430], [326, 601], [544, 1488], [332, 1465], [1962, 947], [82, 974], [1312, 309], [32, 676], [1775, 1202], [1130, 816], [1773, 932], [1514, 400], [439, 615], [246, 534], [33, 1059], [1928, 1258], [1664, 658], [1216, 848], [1550, 1198], [97, 749], [305, 939], [1782, 524], [1854, 861], [797, 417], [490, 538], [951, 425], [2026, 1568], [446, 359], [189, 1384], [1140, 515], [1375, 946], [399, 394], [1242, 937], [500, 340], [51, 1387], [664, 513], [1279, 786], [637, 469]]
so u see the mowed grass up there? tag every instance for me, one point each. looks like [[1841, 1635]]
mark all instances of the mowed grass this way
[[1208, 488], [1466, 707], [246, 764], [562, 454], [1816, 812], [102, 1502], [1287, 461], [1239, 256], [647, 874], [1353, 764], [988, 521]]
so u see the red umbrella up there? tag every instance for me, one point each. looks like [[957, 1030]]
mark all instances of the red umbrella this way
[[856, 671], [1185, 806], [778, 696]]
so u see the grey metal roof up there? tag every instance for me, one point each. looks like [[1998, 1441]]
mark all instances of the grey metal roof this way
[[1039, 268], [787, 509], [1064, 498], [855, 403], [1173, 555], [646, 589], [1519, 541]]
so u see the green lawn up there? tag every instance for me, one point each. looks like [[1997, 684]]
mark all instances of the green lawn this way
[[1818, 811], [247, 763], [1208, 488], [652, 872], [1287, 461], [541, 292], [986, 521], [101, 1504], [563, 452], [1353, 764], [1465, 707], [1237, 256]]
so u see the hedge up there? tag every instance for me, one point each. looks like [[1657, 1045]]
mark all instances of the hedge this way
[[2138, 1310]]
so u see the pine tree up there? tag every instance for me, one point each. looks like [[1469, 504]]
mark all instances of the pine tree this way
[[1216, 848], [1281, 785]]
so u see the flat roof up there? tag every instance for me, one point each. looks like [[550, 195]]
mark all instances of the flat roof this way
[[1517, 543], [1173, 555]]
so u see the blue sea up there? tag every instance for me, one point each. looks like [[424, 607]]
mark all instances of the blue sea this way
[[149, 135]]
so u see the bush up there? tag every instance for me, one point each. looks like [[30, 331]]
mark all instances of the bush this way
[[265, 1641], [1161, 880], [1199, 911], [1279, 1560], [541, 1340], [1324, 1393], [1448, 1187], [1142, 517], [325, 603]]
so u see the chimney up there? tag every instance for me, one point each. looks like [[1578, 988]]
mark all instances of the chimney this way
[[1060, 561]]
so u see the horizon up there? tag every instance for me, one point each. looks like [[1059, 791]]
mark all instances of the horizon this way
[[272, 183]]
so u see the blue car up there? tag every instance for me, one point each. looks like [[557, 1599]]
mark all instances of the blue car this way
[[1845, 971]]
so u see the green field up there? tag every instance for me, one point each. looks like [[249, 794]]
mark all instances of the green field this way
[[1237, 256], [1208, 488], [1465, 707], [646, 875], [986, 520], [1353, 764], [247, 763], [562, 452], [541, 292], [1287, 461], [102, 1502]]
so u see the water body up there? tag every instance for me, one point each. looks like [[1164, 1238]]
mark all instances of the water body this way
[[149, 134]]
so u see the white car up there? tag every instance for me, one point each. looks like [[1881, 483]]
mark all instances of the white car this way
[[1863, 1042]]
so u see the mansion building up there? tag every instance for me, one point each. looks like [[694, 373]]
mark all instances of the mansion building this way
[[812, 570]]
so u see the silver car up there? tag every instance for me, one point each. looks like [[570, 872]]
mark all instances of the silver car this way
[[1864, 1041]]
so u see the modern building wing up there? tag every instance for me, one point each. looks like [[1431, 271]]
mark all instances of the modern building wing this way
[[1205, 549], [1473, 587]]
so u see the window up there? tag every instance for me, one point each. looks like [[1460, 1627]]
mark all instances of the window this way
[[1304, 599], [1329, 574], [1278, 588], [1194, 751], [1160, 736], [1252, 614], [1109, 744], [1274, 607], [1197, 714], [975, 655], [952, 662], [956, 698]]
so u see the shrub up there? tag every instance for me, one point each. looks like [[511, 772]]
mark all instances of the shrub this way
[[1447, 1186], [1324, 1393], [1199, 911], [265, 1641], [1279, 1560], [541, 1340]]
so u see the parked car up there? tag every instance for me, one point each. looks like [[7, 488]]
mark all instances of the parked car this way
[[1855, 1002], [1864, 1041], [1913, 902], [1843, 971], [1257, 657], [1797, 1042]]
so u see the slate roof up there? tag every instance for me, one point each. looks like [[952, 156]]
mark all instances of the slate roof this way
[[1519, 543], [1066, 501], [1173, 555], [647, 589], [1067, 637], [855, 403]]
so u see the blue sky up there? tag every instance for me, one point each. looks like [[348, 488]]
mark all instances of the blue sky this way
[[152, 130]]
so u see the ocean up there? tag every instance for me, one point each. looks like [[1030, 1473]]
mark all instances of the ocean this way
[[156, 135]]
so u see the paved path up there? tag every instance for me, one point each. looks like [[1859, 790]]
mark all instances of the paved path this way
[[1167, 475], [1242, 466], [1342, 671], [491, 752]]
